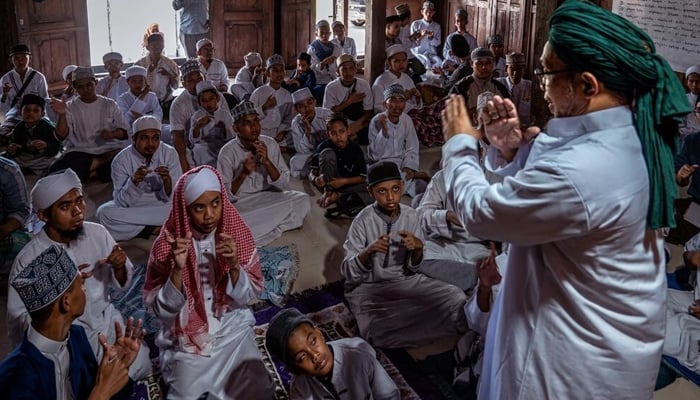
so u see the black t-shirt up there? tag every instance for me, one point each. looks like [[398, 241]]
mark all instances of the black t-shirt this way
[[351, 159]]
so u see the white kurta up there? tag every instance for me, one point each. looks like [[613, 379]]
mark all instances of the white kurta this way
[[451, 252], [337, 93], [181, 110], [265, 205], [87, 120], [217, 72], [136, 206], [211, 137], [585, 277], [158, 82], [305, 142], [521, 95], [401, 148], [92, 245], [132, 108], [386, 79], [245, 83], [683, 328], [347, 47], [278, 118], [56, 352], [356, 375], [112, 88], [426, 47], [233, 367], [36, 86], [381, 291], [326, 73]]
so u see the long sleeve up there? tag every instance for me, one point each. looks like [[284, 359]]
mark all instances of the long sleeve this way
[[275, 156], [301, 140], [125, 193], [242, 292], [410, 159], [374, 137], [168, 302], [539, 193], [433, 209], [353, 271], [383, 387]]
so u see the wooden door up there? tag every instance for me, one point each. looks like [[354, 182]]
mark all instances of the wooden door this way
[[56, 33], [239, 27], [297, 20], [490, 17]]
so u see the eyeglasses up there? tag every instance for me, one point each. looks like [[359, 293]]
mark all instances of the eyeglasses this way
[[541, 74]]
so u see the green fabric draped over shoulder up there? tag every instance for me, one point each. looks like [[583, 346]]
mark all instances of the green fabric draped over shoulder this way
[[623, 57]]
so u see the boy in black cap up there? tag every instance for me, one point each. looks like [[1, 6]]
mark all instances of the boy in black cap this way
[[383, 251], [33, 144], [344, 369]]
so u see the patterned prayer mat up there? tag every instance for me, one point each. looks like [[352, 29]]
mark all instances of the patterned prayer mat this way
[[325, 306]]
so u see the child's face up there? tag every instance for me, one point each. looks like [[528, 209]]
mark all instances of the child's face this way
[[248, 127], [497, 50], [339, 31], [276, 74], [347, 72], [113, 66], [387, 194], [395, 106], [156, 46], [190, 82], [393, 29], [205, 212], [515, 72], [31, 114], [461, 23], [398, 63], [20, 61], [428, 14], [302, 66], [206, 52], [483, 67], [209, 100], [693, 82], [309, 351], [323, 34], [136, 84], [86, 88], [306, 108], [146, 142], [338, 133]]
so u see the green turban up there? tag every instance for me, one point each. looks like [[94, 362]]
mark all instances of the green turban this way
[[622, 56]]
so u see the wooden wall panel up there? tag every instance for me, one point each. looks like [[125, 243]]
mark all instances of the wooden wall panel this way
[[297, 29]]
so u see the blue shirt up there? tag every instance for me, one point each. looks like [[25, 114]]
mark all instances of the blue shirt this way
[[194, 15]]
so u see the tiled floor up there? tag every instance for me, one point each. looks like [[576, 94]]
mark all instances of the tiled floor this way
[[320, 245]]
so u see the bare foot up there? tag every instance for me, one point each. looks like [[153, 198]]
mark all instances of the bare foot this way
[[327, 199]]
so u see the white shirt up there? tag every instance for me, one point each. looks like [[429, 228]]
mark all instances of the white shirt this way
[[326, 73], [58, 354], [230, 165], [181, 111], [427, 45], [87, 120], [217, 73], [278, 118], [521, 95], [210, 131], [36, 86], [306, 143], [337, 93], [400, 147], [129, 104], [347, 47], [585, 277], [112, 88], [158, 82], [386, 79]]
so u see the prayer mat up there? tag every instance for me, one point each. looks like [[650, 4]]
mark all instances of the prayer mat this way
[[325, 306], [280, 268]]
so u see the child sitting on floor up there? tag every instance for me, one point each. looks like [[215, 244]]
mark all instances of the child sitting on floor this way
[[33, 144], [394, 304], [303, 76], [212, 125], [345, 368]]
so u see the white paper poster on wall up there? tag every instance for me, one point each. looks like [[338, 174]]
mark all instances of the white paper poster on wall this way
[[674, 25]]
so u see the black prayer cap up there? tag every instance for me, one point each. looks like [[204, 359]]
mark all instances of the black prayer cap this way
[[382, 171], [19, 49], [31, 98], [281, 327]]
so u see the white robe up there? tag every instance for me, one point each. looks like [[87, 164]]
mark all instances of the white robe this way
[[305, 145], [181, 110], [217, 73], [585, 276], [37, 86], [381, 291], [426, 47], [336, 93], [682, 328], [521, 95], [211, 137], [401, 148], [388, 78], [136, 206], [99, 316], [357, 374], [278, 118], [116, 87], [347, 47], [245, 83], [158, 82], [265, 205], [233, 367], [87, 120], [129, 104], [451, 252]]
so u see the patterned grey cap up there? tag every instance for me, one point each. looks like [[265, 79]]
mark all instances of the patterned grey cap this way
[[495, 39], [481, 52], [274, 60], [393, 91], [83, 73], [188, 67], [45, 279], [242, 109]]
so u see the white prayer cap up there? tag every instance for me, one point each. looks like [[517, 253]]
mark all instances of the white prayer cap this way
[[395, 49], [343, 59], [203, 42], [252, 59], [112, 55], [68, 70], [203, 181], [203, 86], [136, 70], [694, 69], [146, 122], [83, 73], [322, 23], [301, 95], [428, 5], [50, 188]]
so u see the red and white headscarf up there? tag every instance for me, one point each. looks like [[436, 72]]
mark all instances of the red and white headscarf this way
[[194, 334]]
